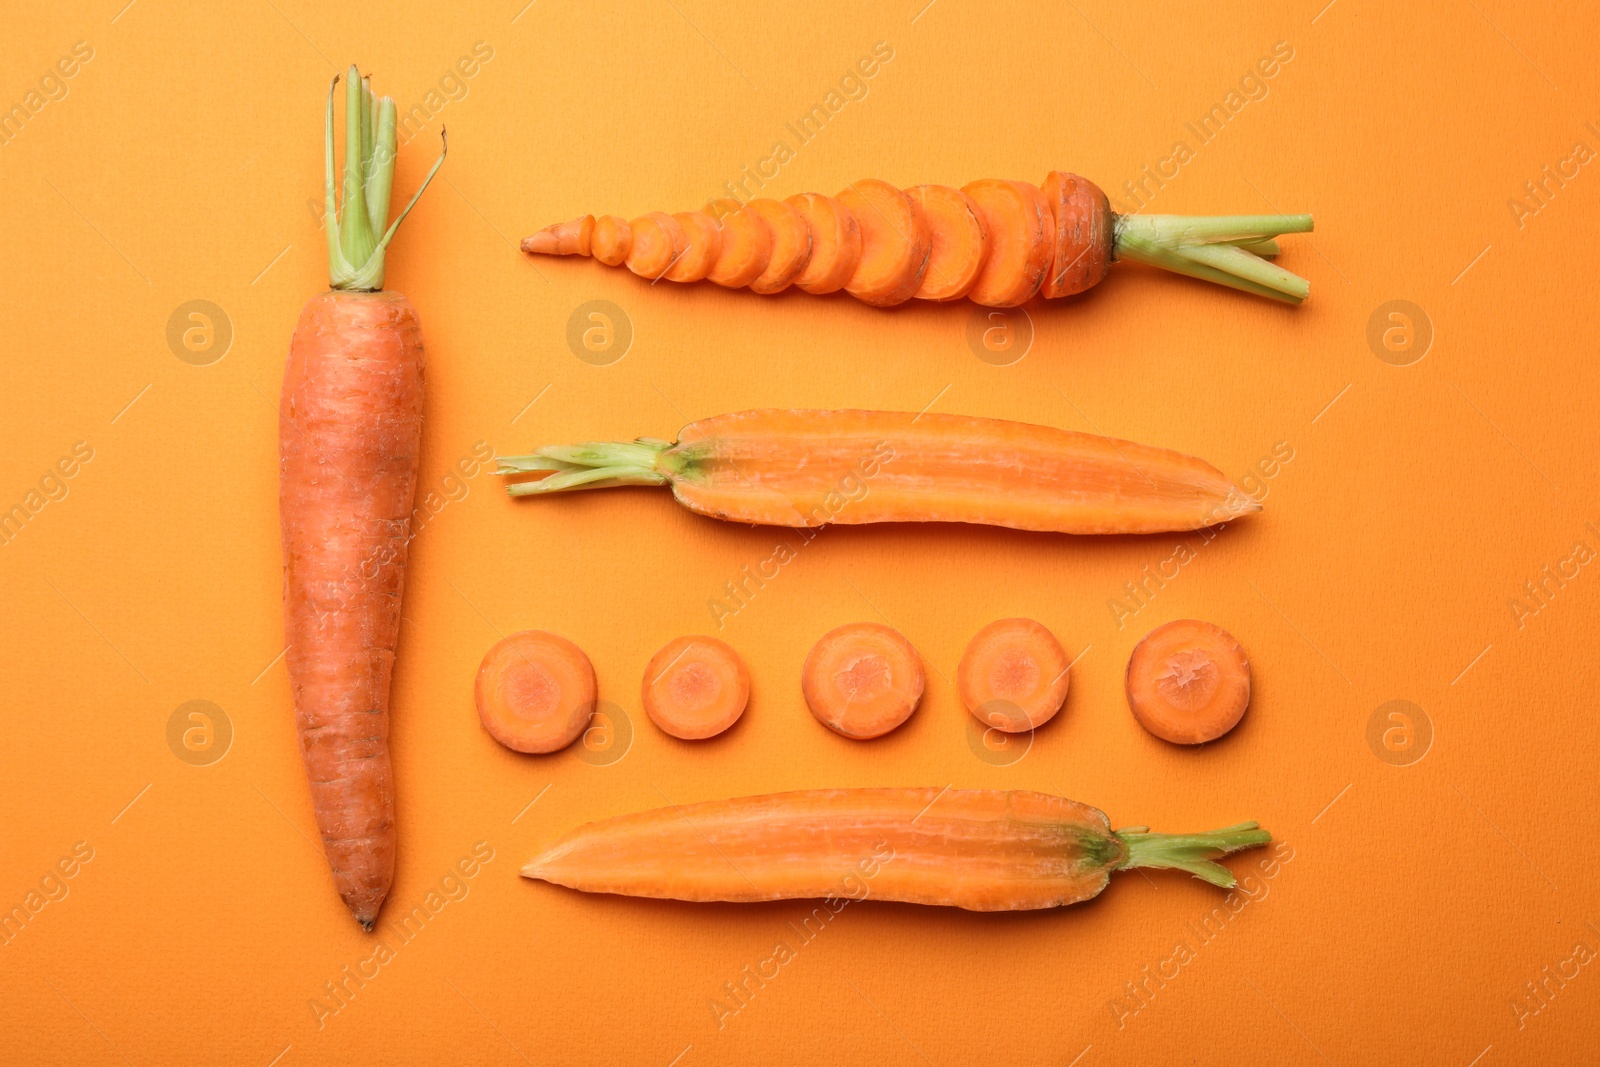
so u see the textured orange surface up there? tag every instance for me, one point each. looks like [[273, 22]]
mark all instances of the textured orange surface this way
[[1431, 524]]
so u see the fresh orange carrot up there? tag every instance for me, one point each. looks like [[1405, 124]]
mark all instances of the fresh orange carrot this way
[[612, 240], [862, 680], [979, 849], [960, 241], [811, 468], [746, 246], [1082, 235], [704, 242], [658, 243], [835, 243], [535, 691], [563, 239], [695, 687], [1188, 682], [791, 245], [1057, 241], [1021, 241], [1013, 675], [349, 431], [895, 243]]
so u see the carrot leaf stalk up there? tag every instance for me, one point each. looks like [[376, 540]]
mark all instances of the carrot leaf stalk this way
[[1227, 249], [357, 239], [1194, 853], [591, 465]]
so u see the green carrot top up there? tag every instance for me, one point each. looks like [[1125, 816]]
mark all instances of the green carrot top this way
[[353, 225]]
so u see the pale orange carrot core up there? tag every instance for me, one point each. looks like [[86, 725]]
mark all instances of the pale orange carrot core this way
[[1013, 675], [862, 680], [535, 691], [1188, 682], [695, 687]]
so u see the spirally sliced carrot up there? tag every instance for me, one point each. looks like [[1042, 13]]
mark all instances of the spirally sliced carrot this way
[[862, 680], [1083, 234], [658, 243], [895, 243], [979, 849], [562, 239], [746, 249], [960, 241], [791, 245], [612, 240], [703, 242], [535, 691], [1013, 675], [695, 687], [1021, 239], [810, 468], [1188, 682], [835, 243]]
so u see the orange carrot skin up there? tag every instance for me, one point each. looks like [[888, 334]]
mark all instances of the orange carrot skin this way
[[981, 849], [808, 468], [1084, 235], [350, 426]]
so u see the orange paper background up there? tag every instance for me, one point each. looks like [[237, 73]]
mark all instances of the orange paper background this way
[[1411, 904]]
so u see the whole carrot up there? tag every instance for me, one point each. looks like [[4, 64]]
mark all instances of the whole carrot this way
[[994, 242], [349, 428], [979, 849], [810, 468]]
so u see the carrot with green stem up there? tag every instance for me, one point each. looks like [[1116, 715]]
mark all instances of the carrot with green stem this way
[[997, 243], [810, 468], [979, 849], [349, 430]]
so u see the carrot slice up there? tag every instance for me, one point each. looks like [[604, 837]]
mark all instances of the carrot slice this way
[[1188, 682], [895, 243], [1082, 234], [1021, 233], [704, 242], [658, 242], [746, 249], [862, 680], [695, 687], [791, 245], [562, 239], [1013, 675], [612, 240], [960, 241], [835, 243], [535, 691]]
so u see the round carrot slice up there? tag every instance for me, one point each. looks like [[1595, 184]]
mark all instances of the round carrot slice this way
[[535, 691], [862, 680], [1188, 682], [960, 242], [704, 243], [835, 243], [791, 245], [612, 240], [1021, 238], [695, 687], [895, 243], [658, 242], [746, 249], [1013, 675]]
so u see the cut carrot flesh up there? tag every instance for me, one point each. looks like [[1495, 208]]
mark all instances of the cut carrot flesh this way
[[862, 680], [791, 245], [562, 239], [1021, 238], [960, 242], [1013, 675], [658, 242], [695, 687], [835, 243], [704, 242], [1188, 682], [1082, 235], [535, 691], [895, 243], [612, 240], [746, 249]]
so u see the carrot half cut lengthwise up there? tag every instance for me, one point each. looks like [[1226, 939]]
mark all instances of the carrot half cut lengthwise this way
[[1188, 682], [810, 468], [980, 849], [862, 680], [1013, 675], [349, 431]]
